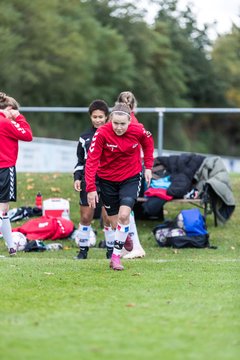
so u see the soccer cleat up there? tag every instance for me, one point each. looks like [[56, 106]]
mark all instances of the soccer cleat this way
[[12, 251], [115, 263], [109, 252], [128, 245], [134, 254], [82, 255]]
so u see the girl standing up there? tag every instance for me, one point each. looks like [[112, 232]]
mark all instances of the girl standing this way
[[13, 127], [114, 155]]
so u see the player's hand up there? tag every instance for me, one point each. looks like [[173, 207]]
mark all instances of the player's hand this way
[[92, 199], [148, 176], [14, 114], [77, 185], [11, 114]]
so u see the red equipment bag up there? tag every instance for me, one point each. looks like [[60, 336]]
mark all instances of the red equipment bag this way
[[46, 228]]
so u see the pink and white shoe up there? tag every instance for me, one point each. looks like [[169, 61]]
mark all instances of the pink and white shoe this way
[[115, 263], [135, 253]]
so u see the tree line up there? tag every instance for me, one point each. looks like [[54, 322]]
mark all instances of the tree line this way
[[69, 52]]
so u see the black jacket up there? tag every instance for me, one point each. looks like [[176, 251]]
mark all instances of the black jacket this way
[[181, 169]]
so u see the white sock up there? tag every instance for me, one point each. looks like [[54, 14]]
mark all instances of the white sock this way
[[109, 235], [83, 235], [133, 232], [7, 231], [121, 234]]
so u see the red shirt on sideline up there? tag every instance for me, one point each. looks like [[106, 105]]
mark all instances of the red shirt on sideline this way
[[10, 132], [117, 158]]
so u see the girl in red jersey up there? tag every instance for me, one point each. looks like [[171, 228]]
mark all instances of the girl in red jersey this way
[[137, 251], [13, 127], [114, 155]]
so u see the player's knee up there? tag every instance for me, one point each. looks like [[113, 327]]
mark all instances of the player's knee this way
[[128, 201], [125, 209], [4, 207]]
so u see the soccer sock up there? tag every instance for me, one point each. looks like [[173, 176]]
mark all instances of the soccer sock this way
[[121, 234], [7, 231], [109, 235], [83, 236], [133, 232]]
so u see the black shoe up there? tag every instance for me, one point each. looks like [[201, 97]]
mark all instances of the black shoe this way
[[109, 252], [83, 253], [102, 244]]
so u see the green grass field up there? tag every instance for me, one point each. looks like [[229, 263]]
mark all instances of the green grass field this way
[[169, 305]]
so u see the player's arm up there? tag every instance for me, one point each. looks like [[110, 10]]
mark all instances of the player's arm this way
[[79, 167], [93, 160], [18, 126], [148, 149]]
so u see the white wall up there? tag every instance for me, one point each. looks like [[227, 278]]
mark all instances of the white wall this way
[[55, 155], [47, 155]]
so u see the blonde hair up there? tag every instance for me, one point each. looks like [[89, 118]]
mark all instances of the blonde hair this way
[[128, 98], [121, 109], [6, 101]]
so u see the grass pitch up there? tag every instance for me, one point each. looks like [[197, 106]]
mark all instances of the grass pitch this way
[[169, 305]]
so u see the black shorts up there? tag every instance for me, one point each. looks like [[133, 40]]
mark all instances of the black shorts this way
[[84, 202], [8, 188], [113, 193]]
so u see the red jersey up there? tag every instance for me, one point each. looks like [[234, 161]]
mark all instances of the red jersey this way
[[10, 132], [117, 158]]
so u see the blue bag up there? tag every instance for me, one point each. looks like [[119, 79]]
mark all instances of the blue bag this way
[[194, 222]]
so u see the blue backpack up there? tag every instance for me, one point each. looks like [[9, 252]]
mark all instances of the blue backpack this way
[[194, 222]]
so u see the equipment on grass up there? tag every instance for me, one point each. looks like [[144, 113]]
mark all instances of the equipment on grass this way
[[56, 207], [19, 240], [187, 230]]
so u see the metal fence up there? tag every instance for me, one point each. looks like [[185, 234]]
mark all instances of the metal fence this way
[[161, 111]]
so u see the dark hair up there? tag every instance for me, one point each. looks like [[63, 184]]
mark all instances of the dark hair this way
[[98, 105], [128, 98], [121, 109], [6, 101]]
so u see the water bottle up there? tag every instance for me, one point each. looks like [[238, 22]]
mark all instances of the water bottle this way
[[38, 200]]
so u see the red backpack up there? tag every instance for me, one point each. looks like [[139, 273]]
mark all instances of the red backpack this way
[[46, 228]]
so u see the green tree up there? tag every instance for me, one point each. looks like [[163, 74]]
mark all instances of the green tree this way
[[226, 60]]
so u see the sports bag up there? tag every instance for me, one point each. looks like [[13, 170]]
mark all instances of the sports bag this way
[[187, 230], [46, 228]]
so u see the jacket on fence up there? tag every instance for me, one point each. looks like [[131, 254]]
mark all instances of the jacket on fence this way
[[213, 173], [181, 169]]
